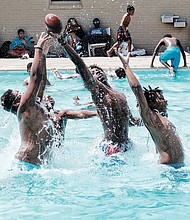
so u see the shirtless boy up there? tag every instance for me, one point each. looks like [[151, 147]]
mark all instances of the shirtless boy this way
[[171, 53], [111, 105], [153, 111], [123, 32], [38, 124]]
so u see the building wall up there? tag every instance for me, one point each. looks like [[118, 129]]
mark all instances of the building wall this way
[[146, 27]]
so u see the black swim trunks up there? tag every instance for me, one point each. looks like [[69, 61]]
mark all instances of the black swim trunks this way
[[121, 36]]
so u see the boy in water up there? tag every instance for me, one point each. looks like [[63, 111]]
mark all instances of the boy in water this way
[[123, 32], [38, 122], [153, 111]]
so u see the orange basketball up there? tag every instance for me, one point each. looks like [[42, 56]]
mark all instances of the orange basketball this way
[[53, 23]]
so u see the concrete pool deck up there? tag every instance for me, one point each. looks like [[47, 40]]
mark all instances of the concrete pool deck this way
[[104, 62]]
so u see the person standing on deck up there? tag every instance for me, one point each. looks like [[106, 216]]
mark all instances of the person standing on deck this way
[[123, 33]]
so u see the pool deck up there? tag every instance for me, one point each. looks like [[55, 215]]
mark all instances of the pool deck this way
[[104, 62]]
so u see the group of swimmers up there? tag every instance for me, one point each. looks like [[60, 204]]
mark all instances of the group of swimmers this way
[[39, 122]]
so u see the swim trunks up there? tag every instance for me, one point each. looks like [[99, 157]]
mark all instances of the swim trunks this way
[[171, 53], [25, 166], [109, 148], [121, 36]]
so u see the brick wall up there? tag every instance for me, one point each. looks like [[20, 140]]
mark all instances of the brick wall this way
[[146, 27]]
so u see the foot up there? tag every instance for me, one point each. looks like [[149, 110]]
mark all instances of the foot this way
[[172, 71], [108, 53]]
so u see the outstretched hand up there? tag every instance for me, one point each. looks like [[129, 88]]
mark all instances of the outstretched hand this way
[[44, 42], [124, 60]]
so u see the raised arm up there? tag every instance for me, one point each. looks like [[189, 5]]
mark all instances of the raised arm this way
[[81, 66], [83, 114], [44, 78], [182, 52], [135, 85], [29, 97]]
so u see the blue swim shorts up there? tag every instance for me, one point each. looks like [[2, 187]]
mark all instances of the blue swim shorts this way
[[171, 53]]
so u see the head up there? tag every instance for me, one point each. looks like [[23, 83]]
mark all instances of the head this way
[[130, 9], [72, 22], [168, 35], [96, 23], [98, 74], [28, 67], [120, 72], [48, 101], [10, 100], [20, 33], [155, 100]]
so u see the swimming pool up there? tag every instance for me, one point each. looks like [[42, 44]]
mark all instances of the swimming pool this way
[[83, 184]]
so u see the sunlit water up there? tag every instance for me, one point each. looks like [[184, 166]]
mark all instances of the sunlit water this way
[[82, 183]]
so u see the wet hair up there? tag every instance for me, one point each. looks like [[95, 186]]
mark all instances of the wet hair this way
[[8, 101], [130, 8], [120, 72], [99, 68], [151, 96], [28, 67], [168, 35], [20, 30], [96, 66]]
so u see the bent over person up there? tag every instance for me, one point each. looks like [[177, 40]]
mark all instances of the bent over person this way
[[152, 108], [172, 53]]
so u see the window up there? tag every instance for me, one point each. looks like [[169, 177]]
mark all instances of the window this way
[[65, 0], [65, 4]]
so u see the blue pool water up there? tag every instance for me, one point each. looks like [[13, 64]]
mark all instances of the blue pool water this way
[[83, 184]]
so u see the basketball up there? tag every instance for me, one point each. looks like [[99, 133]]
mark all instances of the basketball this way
[[53, 23]]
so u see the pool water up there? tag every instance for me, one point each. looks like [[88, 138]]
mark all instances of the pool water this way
[[81, 183]]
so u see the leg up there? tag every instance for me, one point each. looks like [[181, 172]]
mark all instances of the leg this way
[[171, 69], [176, 60], [167, 55], [111, 50]]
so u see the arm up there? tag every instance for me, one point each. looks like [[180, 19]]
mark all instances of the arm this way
[[27, 43], [44, 80], [134, 121], [81, 66], [83, 114], [182, 52], [135, 86], [29, 97], [156, 52]]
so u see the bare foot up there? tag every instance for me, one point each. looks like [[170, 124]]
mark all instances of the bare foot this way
[[108, 53], [172, 72]]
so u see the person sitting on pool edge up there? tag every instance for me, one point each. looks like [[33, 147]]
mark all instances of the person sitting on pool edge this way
[[111, 105], [36, 128], [153, 111]]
